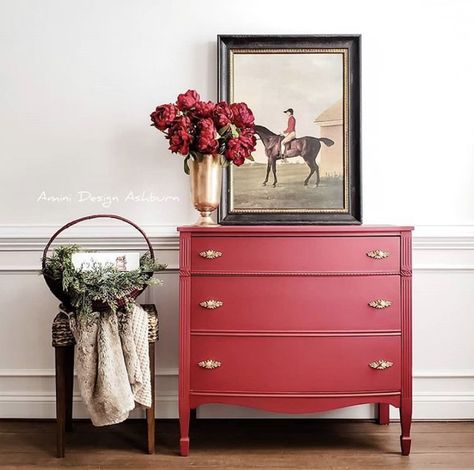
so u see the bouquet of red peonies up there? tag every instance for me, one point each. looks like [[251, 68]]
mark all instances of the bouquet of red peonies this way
[[195, 128]]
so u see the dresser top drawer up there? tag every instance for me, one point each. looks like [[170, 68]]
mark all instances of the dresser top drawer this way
[[295, 254]]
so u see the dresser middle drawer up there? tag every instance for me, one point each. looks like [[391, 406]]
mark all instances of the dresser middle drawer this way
[[293, 303]]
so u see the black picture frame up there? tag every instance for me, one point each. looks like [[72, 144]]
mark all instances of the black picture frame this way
[[352, 214]]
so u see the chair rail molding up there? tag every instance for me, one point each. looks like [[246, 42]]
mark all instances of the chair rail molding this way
[[35, 237], [165, 237]]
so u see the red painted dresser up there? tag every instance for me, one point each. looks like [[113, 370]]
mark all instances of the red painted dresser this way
[[295, 319]]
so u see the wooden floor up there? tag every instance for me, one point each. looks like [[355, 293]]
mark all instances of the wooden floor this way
[[240, 444]]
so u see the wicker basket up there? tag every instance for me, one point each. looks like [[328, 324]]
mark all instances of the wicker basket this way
[[56, 285]]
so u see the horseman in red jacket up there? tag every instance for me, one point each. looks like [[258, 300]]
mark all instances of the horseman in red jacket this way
[[290, 132]]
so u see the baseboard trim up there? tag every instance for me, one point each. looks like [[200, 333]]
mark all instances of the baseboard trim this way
[[43, 406], [426, 406]]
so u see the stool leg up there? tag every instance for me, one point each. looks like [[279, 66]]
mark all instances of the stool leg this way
[[69, 385], [150, 412], [60, 360]]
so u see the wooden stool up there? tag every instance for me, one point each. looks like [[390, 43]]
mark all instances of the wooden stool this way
[[63, 342]]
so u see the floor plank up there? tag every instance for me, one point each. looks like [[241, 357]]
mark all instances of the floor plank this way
[[239, 444]]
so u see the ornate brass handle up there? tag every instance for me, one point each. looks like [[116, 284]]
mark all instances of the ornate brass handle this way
[[211, 304], [210, 254], [380, 303], [381, 364], [209, 364], [378, 254]]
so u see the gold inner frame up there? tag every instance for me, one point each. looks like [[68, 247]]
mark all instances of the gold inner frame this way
[[344, 53]]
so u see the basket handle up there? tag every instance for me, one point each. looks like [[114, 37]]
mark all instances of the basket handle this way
[[96, 216]]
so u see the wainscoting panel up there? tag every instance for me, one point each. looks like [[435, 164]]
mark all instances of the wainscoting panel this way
[[442, 322]]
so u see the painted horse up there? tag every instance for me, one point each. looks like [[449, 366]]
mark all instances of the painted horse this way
[[305, 147]]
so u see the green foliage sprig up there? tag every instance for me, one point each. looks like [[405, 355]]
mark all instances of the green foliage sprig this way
[[102, 283]]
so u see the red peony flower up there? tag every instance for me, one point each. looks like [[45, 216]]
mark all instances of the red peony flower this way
[[163, 116], [236, 151], [180, 140], [222, 114], [191, 127], [247, 138], [203, 109], [181, 121], [206, 140], [180, 135], [187, 100], [243, 116]]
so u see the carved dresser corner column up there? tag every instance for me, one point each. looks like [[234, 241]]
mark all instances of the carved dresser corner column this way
[[296, 319]]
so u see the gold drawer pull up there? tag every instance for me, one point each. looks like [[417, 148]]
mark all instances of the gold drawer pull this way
[[210, 254], [209, 364], [211, 304], [380, 303], [381, 364], [378, 254]]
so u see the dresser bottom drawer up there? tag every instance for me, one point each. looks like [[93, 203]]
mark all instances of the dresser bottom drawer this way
[[294, 363]]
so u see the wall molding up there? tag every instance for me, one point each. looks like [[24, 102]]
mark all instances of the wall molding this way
[[444, 374], [165, 237], [426, 406], [441, 268], [164, 371], [443, 237], [29, 393], [34, 237], [174, 269], [42, 405], [36, 269], [173, 371]]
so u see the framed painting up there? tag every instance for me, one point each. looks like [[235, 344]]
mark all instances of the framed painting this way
[[305, 95]]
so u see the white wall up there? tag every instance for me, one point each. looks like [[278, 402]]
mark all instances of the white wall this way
[[77, 83]]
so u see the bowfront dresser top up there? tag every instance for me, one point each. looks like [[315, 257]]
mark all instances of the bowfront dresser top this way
[[295, 319]]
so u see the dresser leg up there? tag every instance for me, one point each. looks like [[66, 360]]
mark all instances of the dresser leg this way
[[184, 412], [405, 421], [383, 413]]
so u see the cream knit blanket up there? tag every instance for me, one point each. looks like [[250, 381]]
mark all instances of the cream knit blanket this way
[[112, 363]]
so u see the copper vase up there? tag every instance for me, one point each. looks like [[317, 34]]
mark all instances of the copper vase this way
[[206, 180]]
